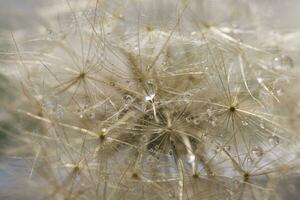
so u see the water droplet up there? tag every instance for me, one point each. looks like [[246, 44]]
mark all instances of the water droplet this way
[[85, 107], [245, 123], [227, 148], [112, 84], [149, 97], [260, 80], [204, 136], [149, 67], [59, 112], [104, 131], [171, 195], [191, 158], [47, 106], [151, 84], [262, 125], [164, 63], [188, 119], [150, 158], [196, 121], [236, 184], [249, 159], [213, 122], [279, 92], [193, 33], [274, 140], [282, 62], [150, 88], [218, 148], [257, 151], [128, 99], [144, 138], [92, 115], [209, 112], [187, 97]]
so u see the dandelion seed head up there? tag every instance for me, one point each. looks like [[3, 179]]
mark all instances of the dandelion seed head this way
[[157, 100]]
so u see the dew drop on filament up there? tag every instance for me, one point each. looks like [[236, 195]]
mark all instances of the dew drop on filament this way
[[149, 97], [150, 90], [191, 158], [92, 115], [128, 99], [59, 112], [227, 148], [245, 123], [282, 62], [209, 112], [257, 151], [188, 119], [274, 140], [103, 131], [196, 121], [193, 33], [144, 138]]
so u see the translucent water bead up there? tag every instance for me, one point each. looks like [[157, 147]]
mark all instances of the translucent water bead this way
[[282, 62], [59, 111], [257, 151], [274, 140], [128, 99], [151, 88]]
